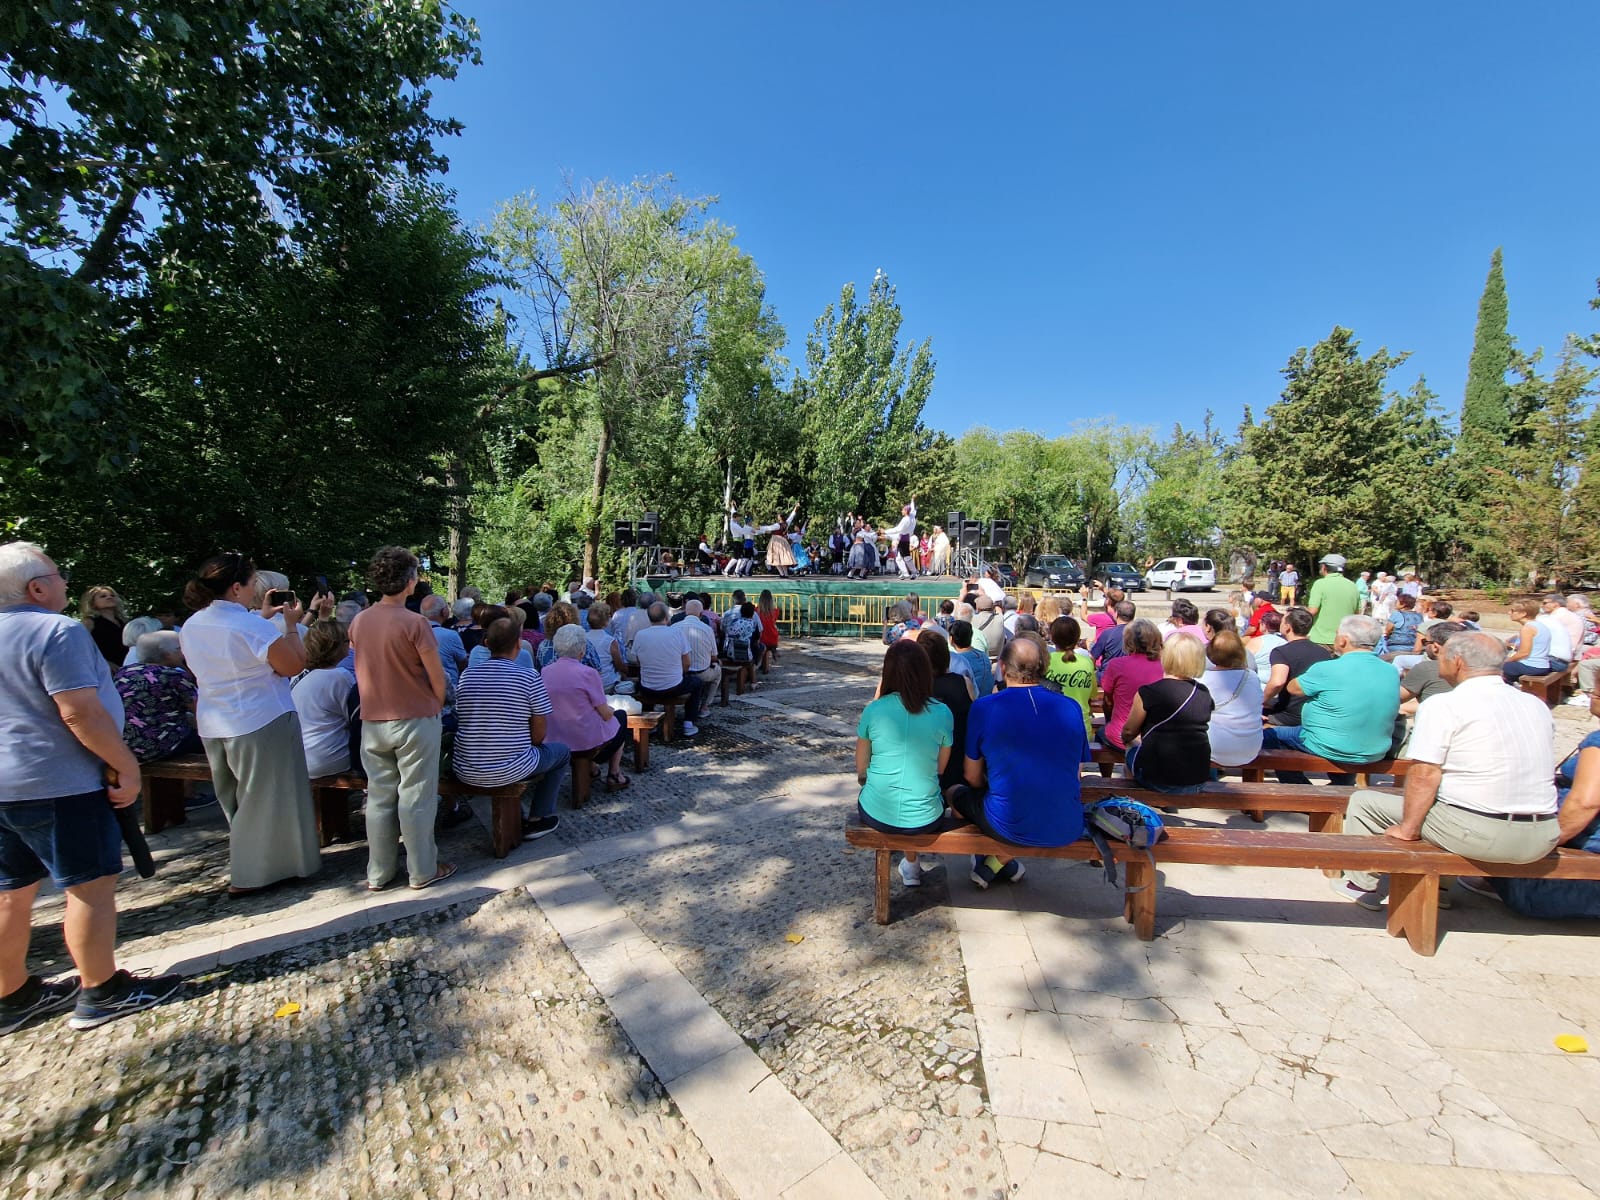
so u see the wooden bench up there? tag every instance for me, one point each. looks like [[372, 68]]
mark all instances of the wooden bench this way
[[162, 788], [669, 709], [1323, 807], [1414, 868], [641, 725], [1255, 771], [1552, 688], [743, 675]]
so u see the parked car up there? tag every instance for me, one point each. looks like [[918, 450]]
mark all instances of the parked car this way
[[1052, 571], [1120, 575], [1182, 575], [1007, 573]]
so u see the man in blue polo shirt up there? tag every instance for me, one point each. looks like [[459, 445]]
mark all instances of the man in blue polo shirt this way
[[60, 729], [1024, 746]]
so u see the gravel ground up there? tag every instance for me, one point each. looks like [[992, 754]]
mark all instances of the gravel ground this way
[[457, 1054]]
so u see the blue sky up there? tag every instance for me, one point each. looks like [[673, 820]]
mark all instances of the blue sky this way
[[1134, 212]]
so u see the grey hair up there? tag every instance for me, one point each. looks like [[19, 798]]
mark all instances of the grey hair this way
[[162, 646], [1477, 652], [1362, 632], [964, 611], [657, 612], [434, 606], [693, 608], [137, 628], [1579, 599], [19, 565], [899, 611], [268, 581], [569, 641], [462, 608], [346, 611]]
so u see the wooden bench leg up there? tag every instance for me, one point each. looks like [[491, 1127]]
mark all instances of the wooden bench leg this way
[[506, 824], [333, 815], [1139, 900], [1257, 815], [582, 779], [724, 688], [1106, 769], [669, 719], [163, 803], [1414, 911], [641, 748], [1327, 823], [880, 888]]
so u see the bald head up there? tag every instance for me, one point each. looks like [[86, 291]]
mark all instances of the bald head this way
[[1023, 660]]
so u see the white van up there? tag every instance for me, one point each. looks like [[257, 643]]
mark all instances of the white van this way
[[1182, 575]]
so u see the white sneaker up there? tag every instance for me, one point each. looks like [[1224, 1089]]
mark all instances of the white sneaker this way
[[1577, 700], [1371, 901], [910, 873], [690, 729]]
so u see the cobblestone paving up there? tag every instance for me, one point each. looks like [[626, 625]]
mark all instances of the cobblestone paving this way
[[457, 1054]]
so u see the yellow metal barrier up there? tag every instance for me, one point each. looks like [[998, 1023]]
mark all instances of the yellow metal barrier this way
[[791, 612], [830, 610]]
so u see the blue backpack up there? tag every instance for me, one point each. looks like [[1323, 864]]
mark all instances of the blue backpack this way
[[1126, 820]]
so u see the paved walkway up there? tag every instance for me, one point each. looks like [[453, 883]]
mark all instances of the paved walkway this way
[[683, 993]]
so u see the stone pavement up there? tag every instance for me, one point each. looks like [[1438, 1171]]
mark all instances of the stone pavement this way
[[683, 993]]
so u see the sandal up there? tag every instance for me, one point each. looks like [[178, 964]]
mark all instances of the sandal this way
[[615, 783], [444, 872]]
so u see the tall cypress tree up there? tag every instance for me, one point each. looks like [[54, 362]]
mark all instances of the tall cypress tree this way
[[1485, 410]]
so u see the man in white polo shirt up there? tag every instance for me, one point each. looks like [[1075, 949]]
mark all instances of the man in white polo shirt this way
[[702, 644], [663, 656], [1480, 782]]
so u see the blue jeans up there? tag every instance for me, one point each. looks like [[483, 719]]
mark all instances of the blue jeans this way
[[545, 783], [1292, 737]]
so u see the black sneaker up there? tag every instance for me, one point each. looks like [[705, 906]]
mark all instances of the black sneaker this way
[[538, 828], [120, 995], [36, 999]]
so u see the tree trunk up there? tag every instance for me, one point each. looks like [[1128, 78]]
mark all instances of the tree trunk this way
[[460, 530], [102, 252], [597, 497]]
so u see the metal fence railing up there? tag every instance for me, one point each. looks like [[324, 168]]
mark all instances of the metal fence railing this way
[[829, 612]]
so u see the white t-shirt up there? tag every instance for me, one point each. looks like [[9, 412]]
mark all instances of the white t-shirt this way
[[1560, 639], [321, 698], [991, 589], [226, 648], [660, 650], [1494, 744], [1235, 730]]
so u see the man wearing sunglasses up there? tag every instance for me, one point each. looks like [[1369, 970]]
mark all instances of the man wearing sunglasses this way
[[60, 732]]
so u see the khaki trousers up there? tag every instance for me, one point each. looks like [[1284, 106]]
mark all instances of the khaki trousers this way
[[1492, 839]]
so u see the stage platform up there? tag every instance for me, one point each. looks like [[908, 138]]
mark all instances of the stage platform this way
[[819, 605]]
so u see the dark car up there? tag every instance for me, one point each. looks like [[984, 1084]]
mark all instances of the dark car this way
[[1120, 575], [1007, 573], [1052, 571]]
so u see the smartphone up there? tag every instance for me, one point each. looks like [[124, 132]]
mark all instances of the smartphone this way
[[322, 584], [279, 598]]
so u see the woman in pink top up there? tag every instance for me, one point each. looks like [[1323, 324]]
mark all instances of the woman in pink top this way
[[1139, 664], [1185, 618], [579, 715]]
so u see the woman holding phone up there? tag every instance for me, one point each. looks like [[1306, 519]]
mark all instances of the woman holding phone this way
[[248, 723]]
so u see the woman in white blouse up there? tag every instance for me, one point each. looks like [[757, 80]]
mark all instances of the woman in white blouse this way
[[248, 724], [1235, 728]]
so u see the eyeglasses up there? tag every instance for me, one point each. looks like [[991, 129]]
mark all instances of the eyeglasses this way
[[65, 576]]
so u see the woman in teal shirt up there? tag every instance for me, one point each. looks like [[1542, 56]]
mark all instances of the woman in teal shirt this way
[[902, 743]]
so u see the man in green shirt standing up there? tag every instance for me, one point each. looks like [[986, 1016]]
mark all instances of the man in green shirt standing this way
[[1333, 598]]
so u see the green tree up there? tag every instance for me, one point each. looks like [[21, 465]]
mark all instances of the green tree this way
[[1179, 509], [1485, 408], [306, 411], [1541, 516], [860, 402], [618, 281], [1317, 473], [198, 121]]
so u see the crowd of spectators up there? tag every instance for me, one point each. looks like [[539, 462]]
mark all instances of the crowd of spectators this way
[[392, 683], [1361, 672]]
